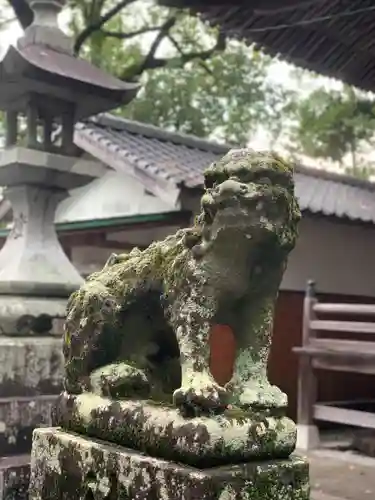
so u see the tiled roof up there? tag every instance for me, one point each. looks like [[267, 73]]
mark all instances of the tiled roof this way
[[176, 159], [333, 37], [173, 157]]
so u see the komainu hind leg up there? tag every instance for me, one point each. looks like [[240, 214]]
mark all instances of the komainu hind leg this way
[[87, 340], [88, 311], [120, 381]]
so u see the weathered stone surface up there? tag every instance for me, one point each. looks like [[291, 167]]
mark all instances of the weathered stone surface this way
[[14, 477], [31, 315], [65, 465], [141, 327], [32, 261], [46, 169], [18, 419], [30, 366], [140, 357], [162, 431]]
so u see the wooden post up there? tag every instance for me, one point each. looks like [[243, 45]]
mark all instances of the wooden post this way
[[307, 385]]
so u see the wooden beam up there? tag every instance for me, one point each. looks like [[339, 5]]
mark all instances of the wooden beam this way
[[350, 402], [180, 221], [360, 309], [344, 416], [343, 326], [346, 365], [340, 347]]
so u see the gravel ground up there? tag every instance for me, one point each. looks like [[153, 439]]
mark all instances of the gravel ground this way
[[337, 475]]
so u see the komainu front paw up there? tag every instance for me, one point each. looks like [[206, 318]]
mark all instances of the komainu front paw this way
[[263, 397], [201, 395]]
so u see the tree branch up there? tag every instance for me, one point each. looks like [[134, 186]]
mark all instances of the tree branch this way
[[163, 33], [97, 25], [6, 22], [22, 11], [182, 54], [152, 62], [219, 46], [124, 36]]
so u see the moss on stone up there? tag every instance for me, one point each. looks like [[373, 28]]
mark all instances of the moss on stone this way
[[65, 465], [160, 430], [226, 268], [137, 346]]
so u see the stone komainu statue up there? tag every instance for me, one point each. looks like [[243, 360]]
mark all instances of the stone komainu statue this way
[[140, 327]]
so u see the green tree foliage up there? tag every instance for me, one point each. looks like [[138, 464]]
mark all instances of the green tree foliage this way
[[227, 98], [193, 79], [336, 125]]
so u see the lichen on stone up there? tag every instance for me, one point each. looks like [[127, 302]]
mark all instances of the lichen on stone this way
[[140, 327], [66, 465], [137, 354], [161, 431]]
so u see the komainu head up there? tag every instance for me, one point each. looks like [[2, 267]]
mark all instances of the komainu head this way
[[252, 192]]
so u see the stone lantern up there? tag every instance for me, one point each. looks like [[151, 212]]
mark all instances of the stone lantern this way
[[44, 91]]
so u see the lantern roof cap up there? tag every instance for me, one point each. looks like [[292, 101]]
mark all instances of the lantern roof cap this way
[[43, 63], [45, 30]]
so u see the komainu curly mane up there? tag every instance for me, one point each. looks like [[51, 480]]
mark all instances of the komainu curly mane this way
[[140, 327]]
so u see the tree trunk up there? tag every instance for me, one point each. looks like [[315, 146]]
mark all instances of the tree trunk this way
[[22, 11]]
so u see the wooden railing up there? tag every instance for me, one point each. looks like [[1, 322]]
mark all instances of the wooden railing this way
[[332, 353]]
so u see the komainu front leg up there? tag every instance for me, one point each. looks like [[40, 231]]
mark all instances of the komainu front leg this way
[[191, 319], [250, 387]]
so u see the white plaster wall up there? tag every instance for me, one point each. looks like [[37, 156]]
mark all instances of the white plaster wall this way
[[115, 194], [339, 257], [88, 259]]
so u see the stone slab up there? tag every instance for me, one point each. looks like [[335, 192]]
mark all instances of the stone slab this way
[[31, 315], [18, 419], [30, 366], [161, 430], [42, 168], [14, 477], [66, 465]]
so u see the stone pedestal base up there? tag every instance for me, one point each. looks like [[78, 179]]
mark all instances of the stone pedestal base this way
[[14, 477], [160, 431], [66, 465], [22, 315]]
